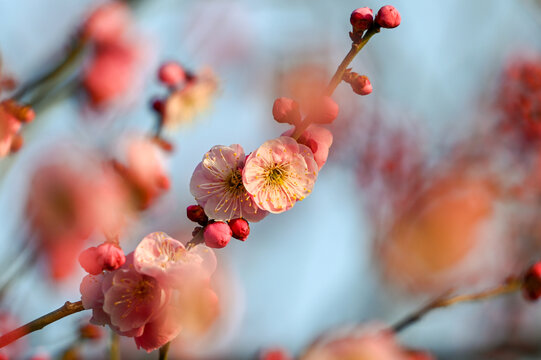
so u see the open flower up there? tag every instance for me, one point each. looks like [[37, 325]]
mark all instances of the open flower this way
[[217, 185], [188, 102], [167, 260], [280, 173]]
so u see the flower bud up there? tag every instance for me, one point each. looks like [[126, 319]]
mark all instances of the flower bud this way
[[324, 111], [532, 282], [90, 332], [361, 85], [158, 105], [107, 256], [196, 214], [361, 19], [286, 110], [240, 228], [388, 17], [111, 256], [171, 74], [217, 235]]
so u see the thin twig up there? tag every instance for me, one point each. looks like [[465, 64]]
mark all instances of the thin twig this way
[[444, 301], [68, 308], [356, 46]]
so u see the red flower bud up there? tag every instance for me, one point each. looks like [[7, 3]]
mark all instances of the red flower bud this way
[[196, 214], [388, 17], [361, 85], [240, 228], [217, 235], [158, 105], [532, 282], [171, 74], [90, 332], [361, 19], [286, 110]]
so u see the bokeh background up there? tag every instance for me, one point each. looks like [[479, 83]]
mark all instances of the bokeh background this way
[[316, 267]]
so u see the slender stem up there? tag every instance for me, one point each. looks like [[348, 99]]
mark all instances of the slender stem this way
[[196, 240], [356, 46], [114, 353], [164, 351], [445, 301], [71, 58], [68, 308]]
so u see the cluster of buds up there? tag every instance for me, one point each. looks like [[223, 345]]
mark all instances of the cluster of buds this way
[[188, 94], [362, 19], [12, 116], [217, 234]]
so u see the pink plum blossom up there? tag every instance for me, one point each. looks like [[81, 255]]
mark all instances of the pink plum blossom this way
[[166, 259], [318, 139], [217, 185], [108, 23], [280, 173], [186, 103], [112, 72], [143, 171]]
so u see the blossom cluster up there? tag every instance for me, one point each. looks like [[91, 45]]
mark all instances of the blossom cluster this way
[[151, 295]]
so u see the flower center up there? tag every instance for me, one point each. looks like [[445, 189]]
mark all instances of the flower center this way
[[234, 182], [276, 175]]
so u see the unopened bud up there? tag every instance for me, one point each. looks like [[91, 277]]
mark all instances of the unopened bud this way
[[217, 235], [171, 74], [240, 228], [388, 17], [196, 214], [361, 19], [286, 110]]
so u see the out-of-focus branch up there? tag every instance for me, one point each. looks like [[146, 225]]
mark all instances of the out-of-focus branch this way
[[164, 351], [60, 70], [445, 300], [67, 309]]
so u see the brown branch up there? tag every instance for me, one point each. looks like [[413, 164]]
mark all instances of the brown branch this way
[[445, 301], [68, 308]]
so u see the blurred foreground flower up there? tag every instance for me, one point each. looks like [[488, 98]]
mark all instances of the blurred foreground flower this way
[[367, 343]]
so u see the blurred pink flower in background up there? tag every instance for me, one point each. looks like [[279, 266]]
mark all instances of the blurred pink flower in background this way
[[184, 104], [440, 228], [519, 97], [143, 170], [8, 322]]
